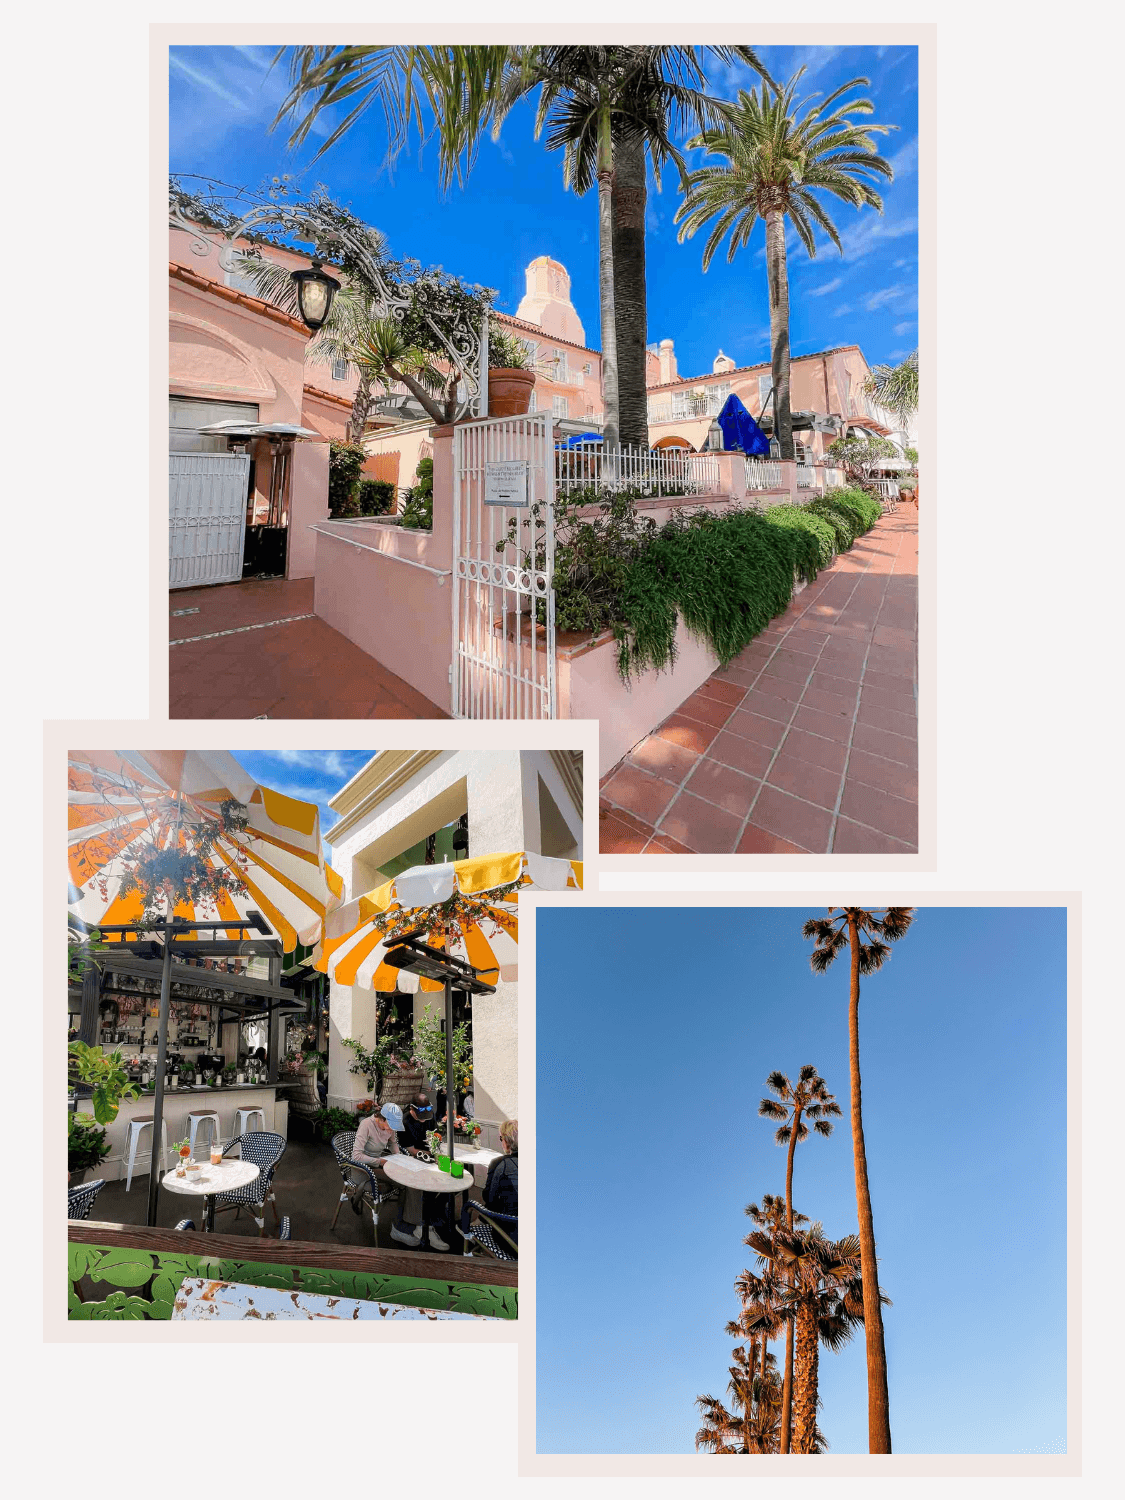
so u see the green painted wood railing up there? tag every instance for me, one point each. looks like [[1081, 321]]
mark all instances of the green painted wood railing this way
[[146, 1282]]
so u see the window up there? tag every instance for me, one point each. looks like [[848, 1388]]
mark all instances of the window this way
[[339, 369], [532, 348], [534, 405], [587, 369], [560, 406], [765, 385]]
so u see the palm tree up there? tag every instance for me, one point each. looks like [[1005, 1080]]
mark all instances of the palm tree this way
[[808, 1098], [896, 387], [777, 162], [372, 347], [752, 1422], [846, 927], [603, 105], [823, 1292]]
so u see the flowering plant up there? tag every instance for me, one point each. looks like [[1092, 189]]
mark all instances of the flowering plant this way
[[181, 1148], [435, 1141]]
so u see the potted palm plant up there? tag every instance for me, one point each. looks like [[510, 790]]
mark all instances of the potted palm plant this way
[[511, 375]]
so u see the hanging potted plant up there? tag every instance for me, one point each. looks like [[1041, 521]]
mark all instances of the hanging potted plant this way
[[511, 375]]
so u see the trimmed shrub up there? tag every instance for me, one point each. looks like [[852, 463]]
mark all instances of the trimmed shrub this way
[[418, 510], [344, 463], [798, 517], [843, 526], [376, 497]]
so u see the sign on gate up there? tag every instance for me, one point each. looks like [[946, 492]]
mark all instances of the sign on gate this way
[[503, 558], [506, 483]]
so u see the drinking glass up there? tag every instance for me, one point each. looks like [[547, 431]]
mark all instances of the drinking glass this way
[[443, 1163], [216, 1153]]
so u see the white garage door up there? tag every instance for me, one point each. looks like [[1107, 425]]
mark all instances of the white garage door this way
[[206, 517]]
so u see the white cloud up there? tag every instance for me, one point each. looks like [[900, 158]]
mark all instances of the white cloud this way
[[871, 230], [904, 161], [222, 89], [329, 762], [822, 291], [887, 294], [838, 312], [903, 327]]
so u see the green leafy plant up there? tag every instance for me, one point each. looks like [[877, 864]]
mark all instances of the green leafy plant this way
[[106, 1077], [329, 1122], [345, 460], [387, 1056], [86, 1144], [181, 1148], [506, 352], [429, 1049], [418, 507], [801, 518], [860, 457], [376, 497]]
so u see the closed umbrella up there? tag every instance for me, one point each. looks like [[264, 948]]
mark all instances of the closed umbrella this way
[[137, 817]]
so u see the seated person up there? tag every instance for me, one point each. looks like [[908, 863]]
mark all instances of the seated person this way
[[375, 1139], [501, 1186], [417, 1122]]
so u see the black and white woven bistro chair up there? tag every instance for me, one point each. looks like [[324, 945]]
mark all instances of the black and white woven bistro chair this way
[[80, 1199], [496, 1234], [186, 1224], [359, 1181], [265, 1149]]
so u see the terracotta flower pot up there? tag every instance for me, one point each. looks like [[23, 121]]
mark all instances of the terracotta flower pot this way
[[509, 392]]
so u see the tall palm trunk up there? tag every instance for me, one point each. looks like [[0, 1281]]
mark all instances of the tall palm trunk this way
[[778, 275], [808, 1372], [630, 297], [878, 1396], [787, 1385], [612, 428]]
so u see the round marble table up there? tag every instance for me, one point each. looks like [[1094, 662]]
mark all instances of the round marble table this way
[[210, 1181], [408, 1172]]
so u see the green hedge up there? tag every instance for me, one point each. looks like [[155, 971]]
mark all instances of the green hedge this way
[[725, 576], [843, 526], [376, 497], [798, 517]]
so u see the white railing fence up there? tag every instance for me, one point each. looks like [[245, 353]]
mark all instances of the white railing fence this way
[[834, 479], [663, 471], [763, 474], [806, 477], [886, 489], [686, 408]]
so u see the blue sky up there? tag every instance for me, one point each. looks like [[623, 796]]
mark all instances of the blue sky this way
[[312, 775], [653, 1051], [514, 208]]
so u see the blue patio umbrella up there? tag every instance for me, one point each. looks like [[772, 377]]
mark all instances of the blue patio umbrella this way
[[578, 438], [740, 430]]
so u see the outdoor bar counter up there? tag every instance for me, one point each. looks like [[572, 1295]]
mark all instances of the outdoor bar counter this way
[[225, 1101]]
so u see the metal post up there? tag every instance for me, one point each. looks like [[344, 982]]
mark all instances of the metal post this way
[[450, 1092], [156, 1156], [482, 373], [91, 994]]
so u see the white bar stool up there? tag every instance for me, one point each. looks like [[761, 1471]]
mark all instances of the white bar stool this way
[[211, 1120], [137, 1126], [244, 1118]]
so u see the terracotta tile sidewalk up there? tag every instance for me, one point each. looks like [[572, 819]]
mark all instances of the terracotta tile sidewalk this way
[[293, 666], [806, 742]]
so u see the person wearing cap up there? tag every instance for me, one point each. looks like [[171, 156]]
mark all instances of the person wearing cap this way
[[376, 1138], [418, 1121]]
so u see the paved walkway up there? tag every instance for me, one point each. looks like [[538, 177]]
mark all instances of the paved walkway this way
[[256, 650], [807, 741]]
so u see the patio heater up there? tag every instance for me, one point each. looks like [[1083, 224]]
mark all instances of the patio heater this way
[[417, 957]]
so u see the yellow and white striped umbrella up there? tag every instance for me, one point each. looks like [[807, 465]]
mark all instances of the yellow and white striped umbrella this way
[[123, 802], [467, 907]]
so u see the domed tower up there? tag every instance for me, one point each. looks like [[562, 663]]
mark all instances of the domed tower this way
[[723, 363], [547, 301]]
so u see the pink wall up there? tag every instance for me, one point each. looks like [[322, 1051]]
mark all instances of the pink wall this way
[[398, 614], [220, 351], [308, 505]]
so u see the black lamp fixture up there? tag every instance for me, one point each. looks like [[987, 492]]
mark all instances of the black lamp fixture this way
[[315, 291]]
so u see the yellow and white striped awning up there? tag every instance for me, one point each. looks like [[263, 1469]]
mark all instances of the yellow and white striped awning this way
[[123, 800], [464, 907]]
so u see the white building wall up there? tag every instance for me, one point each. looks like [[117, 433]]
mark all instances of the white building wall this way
[[500, 790]]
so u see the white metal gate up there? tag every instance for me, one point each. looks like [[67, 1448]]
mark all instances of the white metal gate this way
[[503, 561], [206, 517]]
